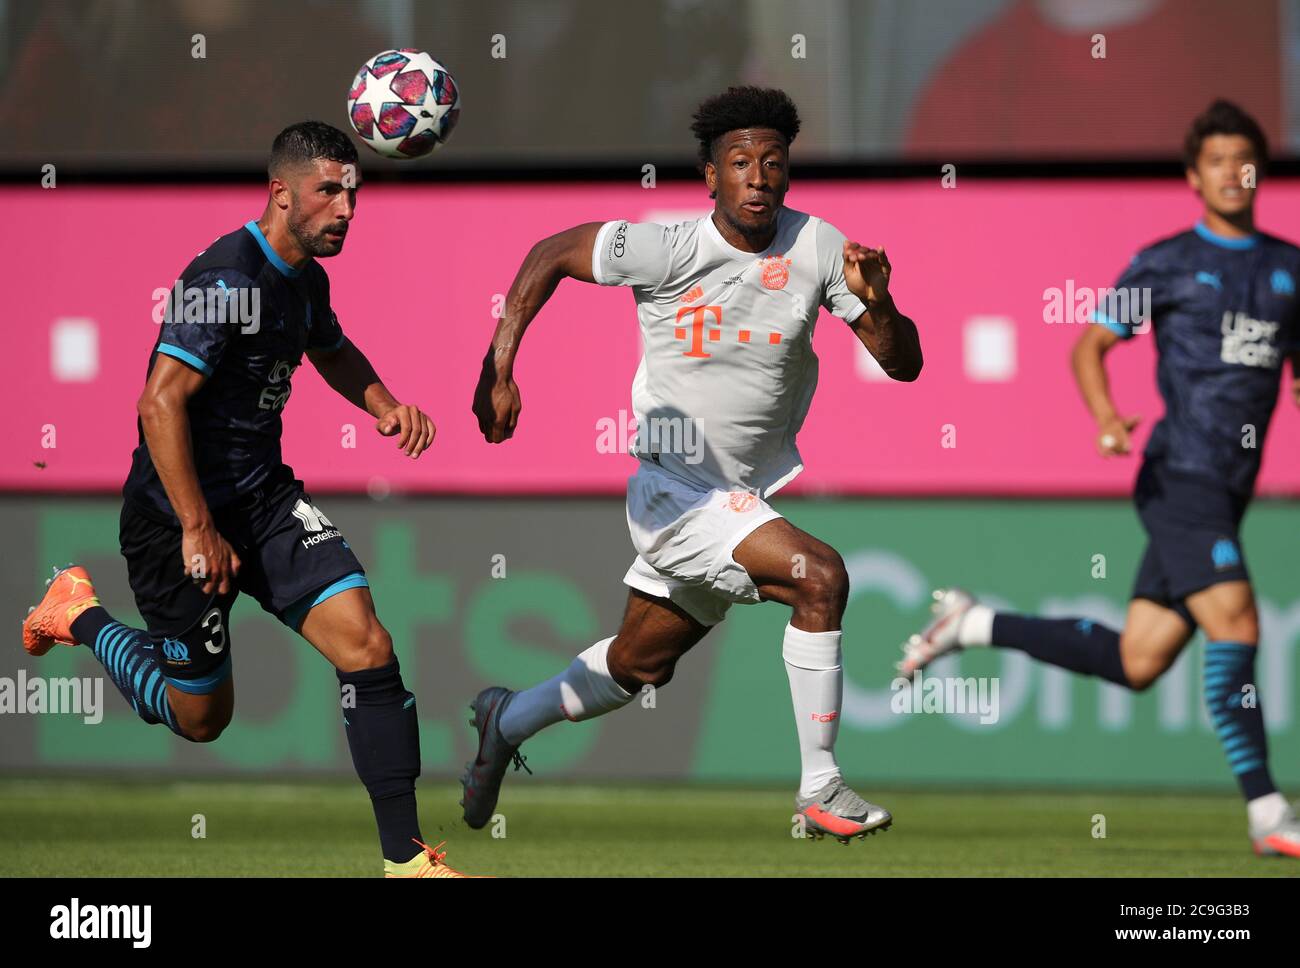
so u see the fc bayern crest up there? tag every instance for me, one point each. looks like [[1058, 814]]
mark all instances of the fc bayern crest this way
[[776, 272]]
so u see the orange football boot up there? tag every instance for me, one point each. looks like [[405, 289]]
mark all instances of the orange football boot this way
[[431, 865], [67, 595]]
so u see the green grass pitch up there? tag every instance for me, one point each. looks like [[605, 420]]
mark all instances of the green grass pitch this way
[[112, 828]]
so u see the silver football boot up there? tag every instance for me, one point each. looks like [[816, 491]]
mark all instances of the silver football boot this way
[[1282, 840], [940, 636], [836, 810]]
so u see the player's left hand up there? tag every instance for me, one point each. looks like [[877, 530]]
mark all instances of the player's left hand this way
[[414, 429], [866, 270]]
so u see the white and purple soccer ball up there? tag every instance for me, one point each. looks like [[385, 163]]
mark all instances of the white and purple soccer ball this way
[[403, 103]]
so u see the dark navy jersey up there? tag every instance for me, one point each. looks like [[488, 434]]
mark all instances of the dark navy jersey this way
[[1225, 317], [242, 317]]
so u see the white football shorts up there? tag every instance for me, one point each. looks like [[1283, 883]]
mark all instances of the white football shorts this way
[[684, 536]]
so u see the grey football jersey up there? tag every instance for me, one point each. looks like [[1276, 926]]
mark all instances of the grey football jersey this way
[[729, 370]]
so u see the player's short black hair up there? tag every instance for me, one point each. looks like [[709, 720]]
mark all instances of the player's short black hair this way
[[304, 142], [1223, 117], [743, 107]]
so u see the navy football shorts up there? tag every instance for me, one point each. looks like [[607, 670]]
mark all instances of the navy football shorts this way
[[291, 558], [1192, 527]]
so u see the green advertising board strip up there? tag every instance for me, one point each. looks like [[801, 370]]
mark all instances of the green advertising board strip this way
[[507, 591]]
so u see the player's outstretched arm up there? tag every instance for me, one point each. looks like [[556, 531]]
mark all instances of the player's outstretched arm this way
[[166, 423], [887, 334], [1089, 364], [351, 376], [567, 255]]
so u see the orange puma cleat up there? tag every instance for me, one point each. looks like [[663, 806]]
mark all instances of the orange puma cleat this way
[[67, 595], [430, 865]]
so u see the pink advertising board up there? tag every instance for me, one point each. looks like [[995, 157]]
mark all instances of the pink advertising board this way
[[425, 265]]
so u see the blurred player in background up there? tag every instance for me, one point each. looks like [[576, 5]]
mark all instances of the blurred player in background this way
[[727, 305], [1223, 306], [211, 510]]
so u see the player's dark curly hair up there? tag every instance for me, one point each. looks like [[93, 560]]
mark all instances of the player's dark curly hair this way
[[743, 107], [1223, 117], [304, 142]]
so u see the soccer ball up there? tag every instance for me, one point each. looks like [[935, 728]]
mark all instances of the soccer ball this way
[[403, 103]]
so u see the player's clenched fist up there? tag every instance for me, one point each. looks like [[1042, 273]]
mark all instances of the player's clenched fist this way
[[866, 271], [496, 404], [413, 428], [1113, 436]]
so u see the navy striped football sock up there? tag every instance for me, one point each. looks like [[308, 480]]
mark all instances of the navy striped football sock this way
[[383, 733], [1234, 709], [1077, 644], [127, 655]]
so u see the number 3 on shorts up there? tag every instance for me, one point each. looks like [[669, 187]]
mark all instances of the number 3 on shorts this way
[[212, 625]]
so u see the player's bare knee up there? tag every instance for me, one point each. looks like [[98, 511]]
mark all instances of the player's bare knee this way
[[203, 732], [374, 647], [656, 675], [634, 672], [206, 729], [826, 582], [1141, 669], [825, 585], [1141, 678], [1241, 626]]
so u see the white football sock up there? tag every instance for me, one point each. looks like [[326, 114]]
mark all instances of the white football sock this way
[[976, 627], [1268, 811], [582, 691], [812, 661]]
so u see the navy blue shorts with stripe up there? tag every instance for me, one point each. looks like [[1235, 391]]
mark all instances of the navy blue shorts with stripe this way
[[1193, 531], [291, 558]]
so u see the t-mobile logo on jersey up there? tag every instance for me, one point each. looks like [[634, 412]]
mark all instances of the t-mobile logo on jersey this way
[[1249, 342], [696, 331]]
